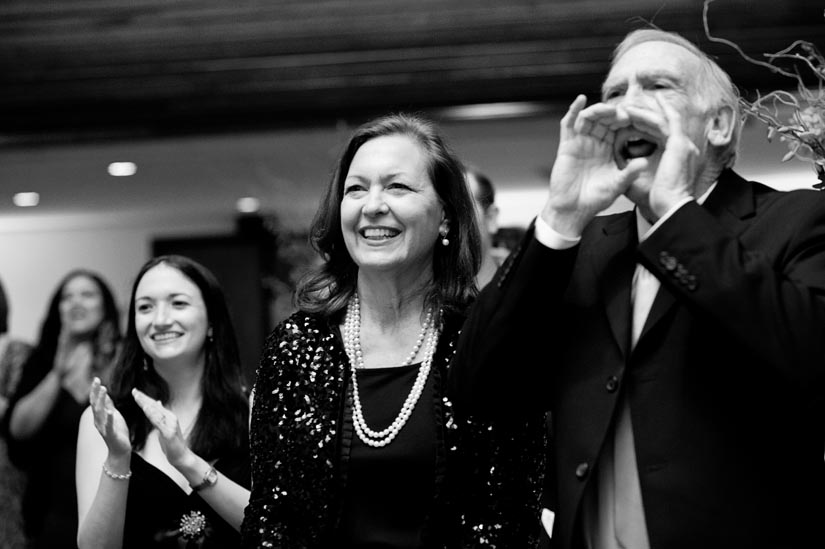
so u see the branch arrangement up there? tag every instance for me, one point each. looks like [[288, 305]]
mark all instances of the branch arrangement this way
[[804, 130]]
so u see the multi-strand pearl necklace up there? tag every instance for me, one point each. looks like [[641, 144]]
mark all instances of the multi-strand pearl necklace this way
[[352, 344]]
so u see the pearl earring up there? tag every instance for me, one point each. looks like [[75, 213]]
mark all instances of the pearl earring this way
[[444, 240]]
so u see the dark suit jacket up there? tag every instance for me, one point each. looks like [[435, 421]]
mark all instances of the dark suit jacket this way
[[727, 382]]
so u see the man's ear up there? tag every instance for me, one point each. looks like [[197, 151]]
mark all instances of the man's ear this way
[[721, 125]]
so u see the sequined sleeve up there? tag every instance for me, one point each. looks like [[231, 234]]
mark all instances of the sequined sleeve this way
[[293, 434], [497, 474], [500, 483]]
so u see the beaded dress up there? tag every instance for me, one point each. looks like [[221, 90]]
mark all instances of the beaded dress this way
[[486, 479]]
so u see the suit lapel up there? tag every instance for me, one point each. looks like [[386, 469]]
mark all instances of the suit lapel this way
[[613, 262], [662, 303]]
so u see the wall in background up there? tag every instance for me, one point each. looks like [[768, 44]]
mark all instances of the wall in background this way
[[33, 259]]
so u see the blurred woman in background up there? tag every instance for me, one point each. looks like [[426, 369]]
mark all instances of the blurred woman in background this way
[[13, 354], [78, 342]]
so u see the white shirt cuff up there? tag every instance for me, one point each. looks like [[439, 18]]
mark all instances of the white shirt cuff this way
[[552, 239]]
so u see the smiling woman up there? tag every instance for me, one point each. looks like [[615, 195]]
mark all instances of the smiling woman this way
[[170, 317], [389, 174], [176, 421], [377, 457]]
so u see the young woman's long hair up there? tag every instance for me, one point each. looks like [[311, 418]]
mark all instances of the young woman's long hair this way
[[327, 289], [221, 427]]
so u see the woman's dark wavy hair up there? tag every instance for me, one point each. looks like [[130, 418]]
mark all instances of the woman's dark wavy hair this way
[[221, 427], [327, 289], [105, 337]]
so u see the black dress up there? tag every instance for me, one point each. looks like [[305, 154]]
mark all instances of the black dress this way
[[390, 490], [156, 507]]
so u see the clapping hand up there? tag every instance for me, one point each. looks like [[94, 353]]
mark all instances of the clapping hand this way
[[73, 363], [170, 436], [108, 421]]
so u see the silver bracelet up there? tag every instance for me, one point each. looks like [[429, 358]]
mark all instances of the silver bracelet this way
[[116, 476]]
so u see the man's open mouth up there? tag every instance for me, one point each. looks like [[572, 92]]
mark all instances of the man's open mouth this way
[[637, 147]]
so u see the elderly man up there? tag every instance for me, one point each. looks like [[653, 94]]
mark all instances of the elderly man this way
[[679, 346]]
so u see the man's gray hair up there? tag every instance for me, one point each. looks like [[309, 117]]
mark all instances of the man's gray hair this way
[[718, 91]]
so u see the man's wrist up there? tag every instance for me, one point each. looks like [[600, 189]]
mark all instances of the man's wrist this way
[[663, 208], [569, 224], [551, 238], [667, 214]]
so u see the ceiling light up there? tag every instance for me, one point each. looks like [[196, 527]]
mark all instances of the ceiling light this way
[[488, 111], [122, 169], [248, 204], [26, 200]]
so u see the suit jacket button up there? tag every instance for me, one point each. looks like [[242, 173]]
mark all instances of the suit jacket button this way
[[582, 469], [667, 261], [612, 384]]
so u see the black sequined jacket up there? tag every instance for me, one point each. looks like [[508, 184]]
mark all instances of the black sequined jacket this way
[[487, 481]]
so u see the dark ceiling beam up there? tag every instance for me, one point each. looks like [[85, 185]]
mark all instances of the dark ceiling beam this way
[[92, 69]]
